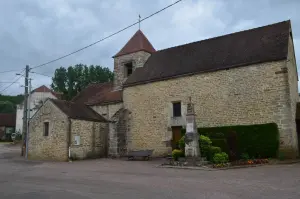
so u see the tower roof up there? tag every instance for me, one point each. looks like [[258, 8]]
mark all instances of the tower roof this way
[[138, 42]]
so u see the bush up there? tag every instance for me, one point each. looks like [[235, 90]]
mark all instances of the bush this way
[[212, 151], [204, 145], [245, 156], [220, 158], [181, 143], [259, 141], [176, 153], [222, 143]]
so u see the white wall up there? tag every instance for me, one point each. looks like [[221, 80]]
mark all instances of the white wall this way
[[34, 99]]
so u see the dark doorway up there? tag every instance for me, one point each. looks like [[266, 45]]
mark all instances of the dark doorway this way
[[176, 133], [298, 132]]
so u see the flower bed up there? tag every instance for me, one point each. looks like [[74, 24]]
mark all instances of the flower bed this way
[[241, 163]]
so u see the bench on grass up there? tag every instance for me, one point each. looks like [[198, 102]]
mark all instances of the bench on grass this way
[[146, 154]]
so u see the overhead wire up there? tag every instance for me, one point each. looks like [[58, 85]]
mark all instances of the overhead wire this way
[[92, 44], [13, 82]]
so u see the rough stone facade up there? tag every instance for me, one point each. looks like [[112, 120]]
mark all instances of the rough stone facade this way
[[108, 110], [138, 59], [55, 145], [118, 133], [255, 94], [118, 127], [294, 96], [93, 139]]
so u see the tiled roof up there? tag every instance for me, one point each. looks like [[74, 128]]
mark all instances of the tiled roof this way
[[98, 93], [8, 119], [45, 89], [138, 42], [263, 44], [78, 111]]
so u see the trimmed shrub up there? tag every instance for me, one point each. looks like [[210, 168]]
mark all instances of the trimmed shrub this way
[[204, 145], [181, 143], [245, 156], [212, 151], [176, 153], [259, 141], [222, 143], [220, 158]]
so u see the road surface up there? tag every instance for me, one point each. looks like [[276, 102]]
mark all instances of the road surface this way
[[116, 179]]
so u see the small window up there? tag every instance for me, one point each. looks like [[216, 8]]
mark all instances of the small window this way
[[177, 109], [128, 69], [46, 128]]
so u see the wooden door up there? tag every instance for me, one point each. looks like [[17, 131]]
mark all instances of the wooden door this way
[[176, 131]]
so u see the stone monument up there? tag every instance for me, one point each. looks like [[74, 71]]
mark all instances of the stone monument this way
[[192, 151]]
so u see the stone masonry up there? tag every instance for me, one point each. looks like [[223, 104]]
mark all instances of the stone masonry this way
[[293, 85], [138, 59], [260, 93], [55, 145], [118, 133], [93, 139], [108, 110]]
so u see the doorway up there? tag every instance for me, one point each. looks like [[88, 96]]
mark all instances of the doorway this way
[[298, 132], [176, 136]]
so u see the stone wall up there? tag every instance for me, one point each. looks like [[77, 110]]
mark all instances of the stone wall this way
[[55, 145], [138, 59], [118, 133], [107, 111], [93, 139], [246, 95], [294, 96]]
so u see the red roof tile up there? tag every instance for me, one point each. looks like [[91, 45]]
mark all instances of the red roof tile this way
[[138, 42], [98, 93], [8, 119], [45, 89]]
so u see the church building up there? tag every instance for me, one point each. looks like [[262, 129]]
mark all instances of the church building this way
[[243, 78], [247, 77]]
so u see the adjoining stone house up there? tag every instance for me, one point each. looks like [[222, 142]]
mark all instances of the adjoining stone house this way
[[60, 130], [37, 97], [247, 77]]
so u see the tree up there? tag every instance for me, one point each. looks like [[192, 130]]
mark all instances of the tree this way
[[8, 103], [72, 80]]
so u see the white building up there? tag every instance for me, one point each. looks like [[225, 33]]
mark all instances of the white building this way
[[37, 97]]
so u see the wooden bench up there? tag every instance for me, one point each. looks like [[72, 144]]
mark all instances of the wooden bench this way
[[145, 154]]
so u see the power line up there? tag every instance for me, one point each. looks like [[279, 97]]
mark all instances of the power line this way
[[140, 20], [10, 84], [9, 71], [41, 74], [13, 81]]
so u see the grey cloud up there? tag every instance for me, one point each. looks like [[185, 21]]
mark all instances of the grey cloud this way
[[36, 31]]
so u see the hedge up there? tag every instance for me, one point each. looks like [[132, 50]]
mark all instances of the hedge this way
[[258, 141]]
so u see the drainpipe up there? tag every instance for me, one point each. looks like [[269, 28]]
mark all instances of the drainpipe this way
[[69, 138]]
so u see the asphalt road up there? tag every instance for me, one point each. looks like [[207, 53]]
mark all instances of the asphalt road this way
[[115, 179]]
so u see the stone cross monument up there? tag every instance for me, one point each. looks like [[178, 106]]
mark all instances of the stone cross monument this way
[[191, 135]]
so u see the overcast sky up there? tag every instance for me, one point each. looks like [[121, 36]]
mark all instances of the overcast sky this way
[[36, 31]]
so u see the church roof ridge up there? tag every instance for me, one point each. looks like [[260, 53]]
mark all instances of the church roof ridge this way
[[138, 42]]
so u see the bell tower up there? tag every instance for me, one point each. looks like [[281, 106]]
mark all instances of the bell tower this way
[[133, 55]]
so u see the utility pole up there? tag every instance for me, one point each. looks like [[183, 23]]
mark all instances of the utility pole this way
[[24, 132], [28, 118]]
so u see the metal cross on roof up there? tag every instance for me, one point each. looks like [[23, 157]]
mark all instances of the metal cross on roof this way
[[139, 22]]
